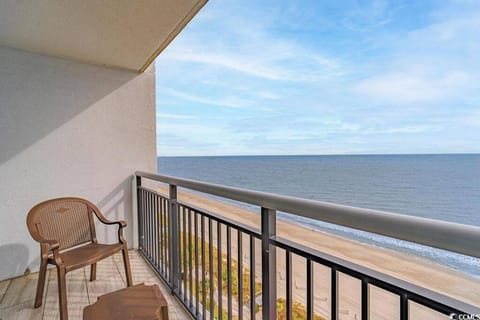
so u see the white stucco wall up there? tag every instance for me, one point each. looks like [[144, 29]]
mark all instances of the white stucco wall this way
[[68, 129]]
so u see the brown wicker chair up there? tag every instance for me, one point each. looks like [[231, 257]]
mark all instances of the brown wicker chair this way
[[68, 223]]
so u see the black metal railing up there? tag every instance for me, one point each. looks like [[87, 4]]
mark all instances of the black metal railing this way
[[202, 256], [199, 243]]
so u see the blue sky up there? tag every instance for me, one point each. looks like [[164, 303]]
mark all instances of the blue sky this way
[[322, 77]]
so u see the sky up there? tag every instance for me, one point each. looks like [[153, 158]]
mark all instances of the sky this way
[[249, 77]]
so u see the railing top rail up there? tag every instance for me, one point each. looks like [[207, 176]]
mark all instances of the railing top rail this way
[[463, 239]]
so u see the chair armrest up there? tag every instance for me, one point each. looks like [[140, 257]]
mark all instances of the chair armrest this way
[[48, 246], [52, 244], [101, 217], [121, 224]]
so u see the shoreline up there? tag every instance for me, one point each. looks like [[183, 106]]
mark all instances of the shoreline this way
[[376, 244], [405, 266]]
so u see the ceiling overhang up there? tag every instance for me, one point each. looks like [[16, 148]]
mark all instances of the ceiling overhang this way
[[116, 33]]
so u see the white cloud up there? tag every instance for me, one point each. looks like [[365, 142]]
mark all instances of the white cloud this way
[[406, 129], [368, 16], [236, 63], [291, 64], [230, 102], [471, 118], [399, 87], [261, 54], [450, 29], [174, 116]]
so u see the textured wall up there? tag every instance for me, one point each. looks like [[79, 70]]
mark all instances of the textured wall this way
[[68, 129]]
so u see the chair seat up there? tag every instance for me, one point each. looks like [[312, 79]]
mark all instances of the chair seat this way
[[88, 254]]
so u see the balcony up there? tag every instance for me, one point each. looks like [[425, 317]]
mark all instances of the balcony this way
[[222, 264]]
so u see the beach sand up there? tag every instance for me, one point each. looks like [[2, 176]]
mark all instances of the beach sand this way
[[383, 305]]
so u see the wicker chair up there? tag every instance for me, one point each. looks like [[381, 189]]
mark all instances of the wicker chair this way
[[68, 223]]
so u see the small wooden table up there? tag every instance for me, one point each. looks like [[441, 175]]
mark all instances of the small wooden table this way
[[137, 302]]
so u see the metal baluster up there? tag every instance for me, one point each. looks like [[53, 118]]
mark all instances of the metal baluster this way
[[179, 250], [365, 300], [173, 237], [155, 228], [180, 253], [166, 238], [229, 272], [404, 307], [334, 293], [140, 219], [203, 254], [197, 278], [310, 289], [162, 242], [252, 277], [190, 258], [144, 222], [149, 224], [219, 266], [210, 267], [138, 182], [184, 275], [240, 274], [288, 271]]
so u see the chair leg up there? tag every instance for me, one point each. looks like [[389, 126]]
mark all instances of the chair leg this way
[[41, 283], [62, 293], [93, 272], [126, 263]]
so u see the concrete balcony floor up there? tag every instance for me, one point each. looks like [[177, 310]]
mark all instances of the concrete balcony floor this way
[[17, 295]]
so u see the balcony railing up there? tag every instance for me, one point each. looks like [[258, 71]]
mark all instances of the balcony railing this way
[[191, 249]]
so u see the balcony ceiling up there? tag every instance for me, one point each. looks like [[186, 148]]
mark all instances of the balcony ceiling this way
[[117, 33]]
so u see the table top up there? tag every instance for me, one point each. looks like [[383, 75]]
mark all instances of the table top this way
[[137, 302]]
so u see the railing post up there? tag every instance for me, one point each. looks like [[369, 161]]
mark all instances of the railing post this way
[[173, 238], [138, 184], [269, 265]]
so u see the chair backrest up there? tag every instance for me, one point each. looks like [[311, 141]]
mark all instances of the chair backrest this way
[[66, 220]]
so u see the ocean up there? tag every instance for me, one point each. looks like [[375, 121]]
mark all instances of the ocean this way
[[444, 187]]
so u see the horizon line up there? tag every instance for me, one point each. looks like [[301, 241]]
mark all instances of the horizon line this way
[[313, 155]]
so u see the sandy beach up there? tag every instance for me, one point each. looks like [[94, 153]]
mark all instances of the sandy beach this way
[[383, 305]]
